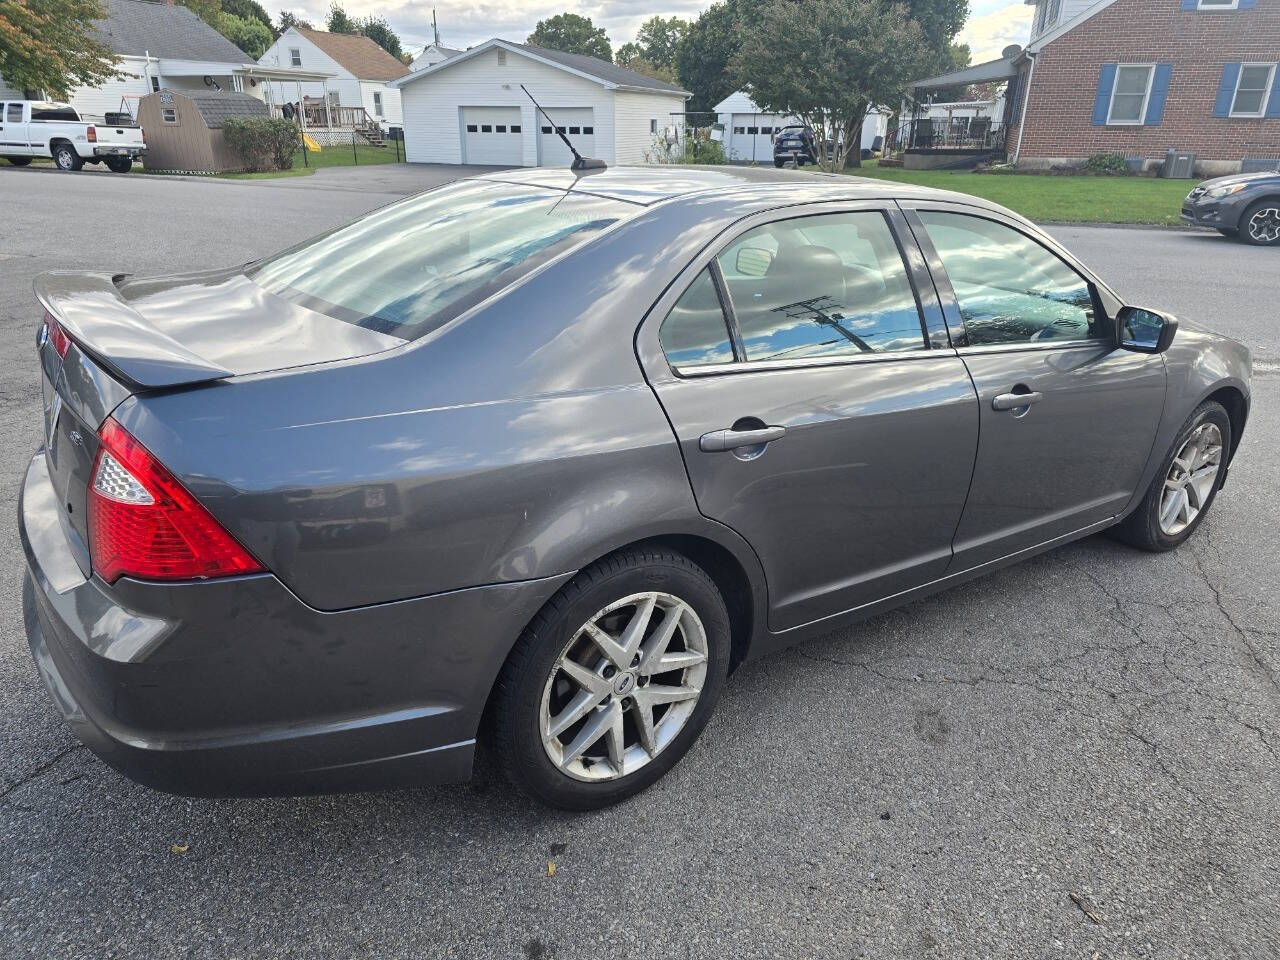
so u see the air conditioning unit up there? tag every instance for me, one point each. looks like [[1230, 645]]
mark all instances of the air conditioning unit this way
[[1178, 166]]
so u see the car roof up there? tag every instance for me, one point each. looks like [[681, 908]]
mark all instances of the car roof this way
[[657, 184]]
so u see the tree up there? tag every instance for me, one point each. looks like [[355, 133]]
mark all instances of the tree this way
[[249, 34], [659, 40], [628, 54], [702, 58], [830, 65], [247, 10], [206, 10], [49, 45], [339, 22], [572, 34], [290, 19], [379, 31]]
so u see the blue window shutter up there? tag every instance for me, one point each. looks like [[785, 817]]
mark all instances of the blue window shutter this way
[[1102, 102], [1246, 4], [1159, 90], [1188, 4], [1226, 90], [1273, 105]]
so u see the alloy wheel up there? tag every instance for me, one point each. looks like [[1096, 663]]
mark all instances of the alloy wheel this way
[[624, 686], [64, 159], [1264, 225], [1191, 478]]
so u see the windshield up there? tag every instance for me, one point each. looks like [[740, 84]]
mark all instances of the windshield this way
[[409, 268]]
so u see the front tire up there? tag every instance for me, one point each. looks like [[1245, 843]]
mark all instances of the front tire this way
[[1260, 224], [1186, 484], [66, 158], [119, 164], [613, 681]]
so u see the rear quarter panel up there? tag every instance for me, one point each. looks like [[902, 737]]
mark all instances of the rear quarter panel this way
[[516, 443]]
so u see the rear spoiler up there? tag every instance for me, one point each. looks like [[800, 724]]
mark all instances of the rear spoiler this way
[[102, 324]]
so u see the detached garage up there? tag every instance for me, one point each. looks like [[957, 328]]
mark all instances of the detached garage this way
[[471, 109]]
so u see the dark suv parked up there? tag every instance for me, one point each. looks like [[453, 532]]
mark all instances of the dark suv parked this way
[[1243, 205], [797, 143]]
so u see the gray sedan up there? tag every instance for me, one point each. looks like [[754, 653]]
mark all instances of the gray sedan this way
[[539, 460]]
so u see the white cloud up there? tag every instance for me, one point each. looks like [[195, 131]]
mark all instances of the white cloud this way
[[465, 25], [989, 33]]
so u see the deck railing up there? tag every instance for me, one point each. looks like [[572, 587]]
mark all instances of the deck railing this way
[[335, 117], [943, 133]]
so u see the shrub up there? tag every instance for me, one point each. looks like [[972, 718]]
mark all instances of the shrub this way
[[1107, 164], [701, 151], [263, 143]]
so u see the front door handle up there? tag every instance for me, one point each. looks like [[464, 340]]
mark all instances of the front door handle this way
[[720, 441], [1012, 401]]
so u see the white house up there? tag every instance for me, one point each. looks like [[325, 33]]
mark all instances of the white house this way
[[362, 73], [164, 45], [748, 133], [470, 109], [432, 54]]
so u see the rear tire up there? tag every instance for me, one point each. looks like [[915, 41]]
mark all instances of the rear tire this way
[[1162, 521], [119, 164], [558, 687], [66, 158], [19, 161], [779, 163], [1260, 224]]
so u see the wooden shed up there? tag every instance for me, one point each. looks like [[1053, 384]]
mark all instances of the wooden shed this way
[[184, 129]]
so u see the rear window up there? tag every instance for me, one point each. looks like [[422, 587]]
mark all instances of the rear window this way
[[411, 267], [54, 113]]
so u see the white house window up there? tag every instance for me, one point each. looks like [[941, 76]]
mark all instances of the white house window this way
[[502, 57], [1130, 93], [155, 84], [653, 126], [1217, 4], [377, 103], [295, 57], [1252, 87]]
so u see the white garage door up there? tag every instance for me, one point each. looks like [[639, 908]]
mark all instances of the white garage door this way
[[578, 123], [751, 137], [492, 136]]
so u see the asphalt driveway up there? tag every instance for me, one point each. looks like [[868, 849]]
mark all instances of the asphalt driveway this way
[[1076, 757]]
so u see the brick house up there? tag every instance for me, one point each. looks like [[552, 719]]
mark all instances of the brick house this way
[[1140, 76]]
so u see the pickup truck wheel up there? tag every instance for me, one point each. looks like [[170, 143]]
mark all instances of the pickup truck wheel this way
[[66, 158], [19, 161], [119, 164]]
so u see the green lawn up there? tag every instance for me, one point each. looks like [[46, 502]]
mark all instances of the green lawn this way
[[342, 156], [1069, 198]]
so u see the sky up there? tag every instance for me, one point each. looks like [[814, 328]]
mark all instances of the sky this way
[[993, 24]]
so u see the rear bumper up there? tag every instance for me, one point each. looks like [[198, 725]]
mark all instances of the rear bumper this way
[[235, 687], [109, 151]]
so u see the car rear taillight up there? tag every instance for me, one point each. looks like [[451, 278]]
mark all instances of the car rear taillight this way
[[57, 336], [93, 134], [143, 523]]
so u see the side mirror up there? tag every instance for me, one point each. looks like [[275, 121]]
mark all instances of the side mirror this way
[[753, 261], [1145, 331]]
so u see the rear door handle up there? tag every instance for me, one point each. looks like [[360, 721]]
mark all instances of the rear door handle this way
[[720, 441], [1012, 401]]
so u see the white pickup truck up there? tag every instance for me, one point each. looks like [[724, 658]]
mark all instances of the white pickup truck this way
[[40, 128]]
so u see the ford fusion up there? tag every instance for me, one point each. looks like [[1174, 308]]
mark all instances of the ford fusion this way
[[538, 460]]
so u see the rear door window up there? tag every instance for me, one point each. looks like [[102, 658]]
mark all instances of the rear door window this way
[[13, 114], [822, 286]]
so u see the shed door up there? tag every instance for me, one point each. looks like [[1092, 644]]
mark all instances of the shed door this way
[[578, 124], [492, 136]]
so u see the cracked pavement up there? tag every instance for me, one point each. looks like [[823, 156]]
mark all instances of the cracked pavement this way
[[1074, 757]]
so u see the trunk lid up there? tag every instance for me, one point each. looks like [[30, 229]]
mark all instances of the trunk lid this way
[[175, 332], [195, 328]]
